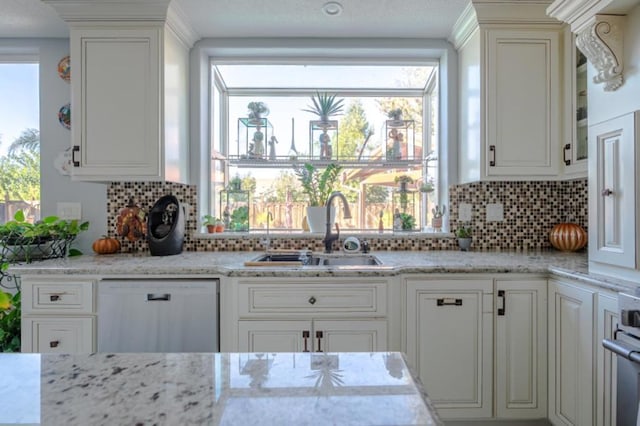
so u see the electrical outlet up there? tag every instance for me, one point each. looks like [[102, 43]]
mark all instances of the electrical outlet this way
[[495, 212], [69, 211], [464, 212]]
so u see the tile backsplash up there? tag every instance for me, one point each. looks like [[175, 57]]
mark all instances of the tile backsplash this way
[[146, 194], [530, 210]]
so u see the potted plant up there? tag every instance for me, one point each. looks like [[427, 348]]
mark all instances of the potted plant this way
[[257, 110], [9, 322], [318, 186], [240, 219], [437, 212], [395, 114], [235, 184], [408, 222], [213, 224], [463, 233], [325, 106]]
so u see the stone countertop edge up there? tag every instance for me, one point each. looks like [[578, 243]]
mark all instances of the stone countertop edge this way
[[231, 264]]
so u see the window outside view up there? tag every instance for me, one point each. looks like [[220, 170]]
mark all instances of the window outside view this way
[[269, 133], [19, 141]]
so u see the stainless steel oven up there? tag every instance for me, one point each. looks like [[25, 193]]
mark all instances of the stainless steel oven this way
[[626, 345]]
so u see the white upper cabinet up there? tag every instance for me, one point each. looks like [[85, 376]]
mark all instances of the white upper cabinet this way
[[510, 73], [612, 191], [130, 88]]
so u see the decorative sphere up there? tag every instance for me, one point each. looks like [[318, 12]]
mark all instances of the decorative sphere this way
[[568, 237]]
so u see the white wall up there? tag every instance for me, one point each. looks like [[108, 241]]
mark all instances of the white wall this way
[[605, 105], [54, 93]]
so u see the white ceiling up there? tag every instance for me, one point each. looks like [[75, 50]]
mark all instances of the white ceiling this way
[[259, 18]]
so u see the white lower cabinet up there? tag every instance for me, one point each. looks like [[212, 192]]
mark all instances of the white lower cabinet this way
[[449, 327], [316, 315], [58, 315], [312, 336], [521, 348], [571, 349], [58, 335], [606, 324]]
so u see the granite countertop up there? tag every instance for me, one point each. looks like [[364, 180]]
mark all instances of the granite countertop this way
[[212, 389], [568, 265]]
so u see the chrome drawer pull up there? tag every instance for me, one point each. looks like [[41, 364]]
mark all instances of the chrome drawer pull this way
[[449, 301], [151, 297]]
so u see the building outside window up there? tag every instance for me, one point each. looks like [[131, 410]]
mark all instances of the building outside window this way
[[385, 140]]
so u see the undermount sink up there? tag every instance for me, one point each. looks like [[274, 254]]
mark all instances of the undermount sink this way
[[315, 259]]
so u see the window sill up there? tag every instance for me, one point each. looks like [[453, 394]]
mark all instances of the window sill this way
[[300, 235]]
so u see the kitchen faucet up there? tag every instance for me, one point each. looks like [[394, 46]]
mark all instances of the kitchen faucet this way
[[329, 238]]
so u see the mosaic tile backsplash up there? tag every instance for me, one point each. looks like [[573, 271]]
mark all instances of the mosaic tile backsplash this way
[[530, 209], [146, 194]]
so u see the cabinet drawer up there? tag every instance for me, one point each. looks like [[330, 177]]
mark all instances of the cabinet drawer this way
[[352, 299], [58, 335], [44, 297]]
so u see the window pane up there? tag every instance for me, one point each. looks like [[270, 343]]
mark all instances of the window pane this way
[[19, 141]]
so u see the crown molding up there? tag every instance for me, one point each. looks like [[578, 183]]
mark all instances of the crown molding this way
[[513, 12], [110, 10], [465, 26], [179, 23], [601, 41], [579, 13]]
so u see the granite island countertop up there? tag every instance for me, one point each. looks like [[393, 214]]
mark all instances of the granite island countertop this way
[[231, 264], [212, 389]]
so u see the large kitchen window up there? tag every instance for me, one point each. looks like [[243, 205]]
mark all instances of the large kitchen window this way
[[385, 140], [19, 138]]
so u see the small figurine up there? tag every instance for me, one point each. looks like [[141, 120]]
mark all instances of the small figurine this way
[[258, 138], [272, 148], [325, 147], [398, 139], [380, 223], [397, 221]]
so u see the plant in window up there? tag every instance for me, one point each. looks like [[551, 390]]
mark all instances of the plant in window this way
[[257, 110], [240, 219], [318, 185], [395, 114], [325, 106]]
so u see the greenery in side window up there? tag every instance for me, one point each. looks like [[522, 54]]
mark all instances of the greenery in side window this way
[[240, 219], [9, 322]]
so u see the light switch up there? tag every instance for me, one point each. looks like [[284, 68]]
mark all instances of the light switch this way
[[495, 212], [69, 211], [464, 214]]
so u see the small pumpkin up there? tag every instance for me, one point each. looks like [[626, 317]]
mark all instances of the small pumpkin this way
[[568, 237], [106, 245]]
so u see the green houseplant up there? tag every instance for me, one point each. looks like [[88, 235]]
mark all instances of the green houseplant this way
[[325, 105], [317, 186], [24, 241], [464, 235]]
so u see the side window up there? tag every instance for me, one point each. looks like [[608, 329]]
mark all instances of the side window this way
[[19, 140]]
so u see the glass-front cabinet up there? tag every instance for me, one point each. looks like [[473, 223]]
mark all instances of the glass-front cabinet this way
[[575, 149]]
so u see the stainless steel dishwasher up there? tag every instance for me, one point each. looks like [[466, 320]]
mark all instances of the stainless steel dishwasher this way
[[158, 315]]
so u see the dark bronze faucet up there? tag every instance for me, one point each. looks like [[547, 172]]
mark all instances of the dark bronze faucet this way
[[329, 238]]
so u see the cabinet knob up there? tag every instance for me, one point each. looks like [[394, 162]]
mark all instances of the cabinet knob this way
[[54, 343], [606, 192], [54, 297], [312, 300]]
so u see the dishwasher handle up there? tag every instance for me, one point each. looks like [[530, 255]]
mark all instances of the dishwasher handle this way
[[163, 297]]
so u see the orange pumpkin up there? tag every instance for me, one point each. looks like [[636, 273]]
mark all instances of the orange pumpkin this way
[[568, 237], [106, 245]]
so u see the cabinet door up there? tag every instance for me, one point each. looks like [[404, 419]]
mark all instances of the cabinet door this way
[[523, 102], [116, 111], [274, 336], [521, 349], [606, 370], [570, 354], [449, 342], [57, 335], [350, 335], [612, 191]]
